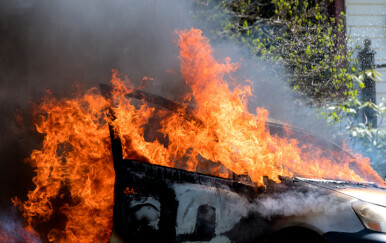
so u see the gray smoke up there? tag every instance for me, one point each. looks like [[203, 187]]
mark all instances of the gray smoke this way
[[295, 203], [273, 93], [12, 229], [56, 44]]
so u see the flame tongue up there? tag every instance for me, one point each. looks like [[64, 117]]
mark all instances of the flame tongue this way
[[229, 134], [241, 142], [232, 135], [75, 175]]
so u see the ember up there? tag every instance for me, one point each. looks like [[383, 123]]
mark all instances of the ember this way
[[75, 174], [129, 191]]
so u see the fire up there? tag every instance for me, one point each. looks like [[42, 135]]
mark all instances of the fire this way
[[227, 134], [73, 198], [74, 171]]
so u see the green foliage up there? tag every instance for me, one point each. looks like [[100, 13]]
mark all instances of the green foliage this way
[[369, 140], [304, 38], [298, 34]]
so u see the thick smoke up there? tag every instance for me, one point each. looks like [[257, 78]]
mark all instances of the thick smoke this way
[[57, 44], [296, 203], [13, 230], [273, 93]]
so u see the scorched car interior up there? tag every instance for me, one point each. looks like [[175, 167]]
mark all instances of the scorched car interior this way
[[161, 204]]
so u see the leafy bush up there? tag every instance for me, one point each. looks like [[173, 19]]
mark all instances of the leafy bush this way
[[307, 40], [364, 137], [301, 35]]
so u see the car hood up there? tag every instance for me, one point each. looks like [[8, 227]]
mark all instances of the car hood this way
[[371, 195], [368, 192]]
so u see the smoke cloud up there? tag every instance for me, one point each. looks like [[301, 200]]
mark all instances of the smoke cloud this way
[[12, 229], [273, 93], [57, 44], [296, 203]]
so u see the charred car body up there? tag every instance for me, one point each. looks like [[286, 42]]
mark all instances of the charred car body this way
[[160, 204]]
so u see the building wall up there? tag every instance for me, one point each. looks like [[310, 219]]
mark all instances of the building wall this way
[[367, 19]]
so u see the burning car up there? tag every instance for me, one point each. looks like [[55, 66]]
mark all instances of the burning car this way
[[156, 203], [203, 169]]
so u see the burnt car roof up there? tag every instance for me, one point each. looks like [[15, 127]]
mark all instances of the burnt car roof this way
[[167, 194], [275, 126]]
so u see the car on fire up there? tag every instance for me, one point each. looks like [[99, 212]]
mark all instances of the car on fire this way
[[161, 204]]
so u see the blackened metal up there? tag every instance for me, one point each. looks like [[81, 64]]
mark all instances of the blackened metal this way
[[363, 236], [154, 99], [116, 143], [253, 227], [205, 225], [145, 170], [155, 184], [146, 184], [106, 91]]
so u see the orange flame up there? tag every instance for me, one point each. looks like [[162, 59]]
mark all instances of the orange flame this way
[[229, 134], [74, 171], [129, 191], [75, 175]]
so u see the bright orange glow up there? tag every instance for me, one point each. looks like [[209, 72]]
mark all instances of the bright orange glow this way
[[129, 191], [228, 134], [74, 169]]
